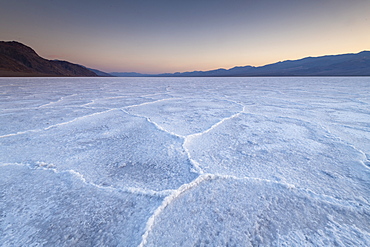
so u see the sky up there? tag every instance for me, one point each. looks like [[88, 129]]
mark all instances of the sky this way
[[158, 36]]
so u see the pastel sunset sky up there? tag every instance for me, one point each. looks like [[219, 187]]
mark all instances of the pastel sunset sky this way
[[150, 36]]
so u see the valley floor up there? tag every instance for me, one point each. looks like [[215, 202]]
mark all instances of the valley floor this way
[[185, 161]]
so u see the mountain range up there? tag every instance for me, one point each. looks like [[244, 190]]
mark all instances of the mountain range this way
[[332, 65], [17, 59]]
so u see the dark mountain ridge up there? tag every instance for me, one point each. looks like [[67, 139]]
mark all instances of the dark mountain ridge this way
[[331, 65], [17, 59], [353, 64]]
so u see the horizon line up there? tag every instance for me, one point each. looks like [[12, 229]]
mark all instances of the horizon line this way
[[240, 66]]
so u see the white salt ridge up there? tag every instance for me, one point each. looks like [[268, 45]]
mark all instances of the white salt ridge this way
[[149, 103], [56, 102], [56, 125], [264, 207], [51, 167], [77, 118], [168, 200]]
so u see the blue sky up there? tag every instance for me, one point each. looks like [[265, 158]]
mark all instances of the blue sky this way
[[169, 36]]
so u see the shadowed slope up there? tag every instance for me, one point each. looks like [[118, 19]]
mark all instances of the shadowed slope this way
[[17, 59]]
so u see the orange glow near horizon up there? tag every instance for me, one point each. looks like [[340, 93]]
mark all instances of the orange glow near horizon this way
[[162, 36]]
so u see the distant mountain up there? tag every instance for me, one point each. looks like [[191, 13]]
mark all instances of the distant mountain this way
[[129, 74], [332, 65], [17, 59], [99, 72]]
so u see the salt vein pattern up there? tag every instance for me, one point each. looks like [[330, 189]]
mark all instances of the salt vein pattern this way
[[185, 162]]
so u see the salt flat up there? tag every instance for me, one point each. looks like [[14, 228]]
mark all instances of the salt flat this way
[[185, 161]]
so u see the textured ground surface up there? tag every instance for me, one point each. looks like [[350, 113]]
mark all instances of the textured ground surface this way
[[185, 162]]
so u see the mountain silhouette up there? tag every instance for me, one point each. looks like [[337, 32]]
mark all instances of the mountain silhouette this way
[[332, 65], [17, 59]]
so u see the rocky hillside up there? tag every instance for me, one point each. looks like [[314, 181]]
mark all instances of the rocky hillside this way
[[17, 59]]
